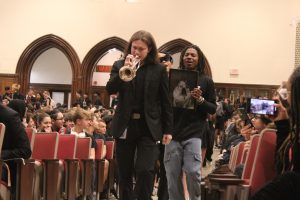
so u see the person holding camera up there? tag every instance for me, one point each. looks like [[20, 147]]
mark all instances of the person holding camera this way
[[143, 115], [286, 185]]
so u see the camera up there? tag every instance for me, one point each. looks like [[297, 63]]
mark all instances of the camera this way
[[261, 106]]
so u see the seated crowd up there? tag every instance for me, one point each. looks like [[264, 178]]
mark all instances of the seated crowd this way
[[38, 112]]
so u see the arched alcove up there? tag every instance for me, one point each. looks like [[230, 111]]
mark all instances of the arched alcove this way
[[174, 47], [91, 60], [36, 48]]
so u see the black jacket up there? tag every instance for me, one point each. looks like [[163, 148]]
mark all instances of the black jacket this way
[[157, 105], [16, 143]]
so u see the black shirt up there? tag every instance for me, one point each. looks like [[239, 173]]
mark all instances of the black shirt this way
[[138, 84], [193, 123]]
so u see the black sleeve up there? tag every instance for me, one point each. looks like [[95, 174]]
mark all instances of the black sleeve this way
[[209, 104], [167, 110], [16, 143], [114, 83], [94, 144], [283, 130]]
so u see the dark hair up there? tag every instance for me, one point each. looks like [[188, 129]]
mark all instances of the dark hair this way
[[40, 117], [68, 116], [294, 81], [167, 57], [202, 62], [28, 117], [265, 120], [19, 106], [54, 114], [146, 37]]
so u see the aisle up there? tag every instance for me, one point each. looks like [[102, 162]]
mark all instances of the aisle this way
[[206, 170]]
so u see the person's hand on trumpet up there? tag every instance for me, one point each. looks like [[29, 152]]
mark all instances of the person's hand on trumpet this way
[[131, 60]]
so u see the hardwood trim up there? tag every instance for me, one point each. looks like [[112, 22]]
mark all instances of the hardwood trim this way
[[174, 46], [7, 80], [255, 89], [36, 48], [3, 75], [50, 87], [233, 85], [40, 87]]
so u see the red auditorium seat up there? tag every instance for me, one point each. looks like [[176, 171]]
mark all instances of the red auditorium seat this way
[[110, 147], [31, 135], [66, 153], [101, 167], [83, 150], [259, 168], [42, 170]]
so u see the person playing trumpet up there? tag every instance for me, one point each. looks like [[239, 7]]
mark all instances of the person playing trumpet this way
[[143, 116]]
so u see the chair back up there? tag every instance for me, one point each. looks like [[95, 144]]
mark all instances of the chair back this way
[[250, 157], [83, 148], [233, 156], [263, 169], [99, 149], [31, 136], [236, 157], [45, 146], [2, 132], [110, 146], [245, 154], [240, 153], [66, 146]]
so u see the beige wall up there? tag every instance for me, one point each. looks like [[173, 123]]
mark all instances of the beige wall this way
[[254, 36]]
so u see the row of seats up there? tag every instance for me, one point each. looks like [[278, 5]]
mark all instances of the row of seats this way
[[259, 168], [60, 168]]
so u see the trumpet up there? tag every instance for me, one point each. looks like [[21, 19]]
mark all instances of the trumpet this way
[[127, 73]]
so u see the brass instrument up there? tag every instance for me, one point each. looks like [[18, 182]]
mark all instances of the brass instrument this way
[[127, 73]]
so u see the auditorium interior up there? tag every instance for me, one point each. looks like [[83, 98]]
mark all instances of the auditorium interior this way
[[68, 47]]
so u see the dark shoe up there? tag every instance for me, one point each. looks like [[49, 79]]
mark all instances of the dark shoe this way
[[103, 195], [114, 192]]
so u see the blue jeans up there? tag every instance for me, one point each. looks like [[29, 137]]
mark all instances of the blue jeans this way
[[183, 156]]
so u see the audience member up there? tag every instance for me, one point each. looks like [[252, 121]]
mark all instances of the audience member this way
[[44, 123], [58, 122], [287, 184], [16, 92], [15, 143]]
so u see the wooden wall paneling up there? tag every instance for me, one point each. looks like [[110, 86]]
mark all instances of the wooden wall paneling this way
[[241, 89], [7, 80], [40, 87]]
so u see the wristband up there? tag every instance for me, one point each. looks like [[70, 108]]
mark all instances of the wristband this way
[[200, 100]]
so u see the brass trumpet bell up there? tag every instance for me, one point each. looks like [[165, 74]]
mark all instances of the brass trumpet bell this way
[[127, 73]]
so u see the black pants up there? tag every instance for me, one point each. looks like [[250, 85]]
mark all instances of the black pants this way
[[141, 148], [286, 186], [162, 192]]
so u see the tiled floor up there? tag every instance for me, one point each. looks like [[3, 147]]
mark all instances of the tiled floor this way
[[206, 170]]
